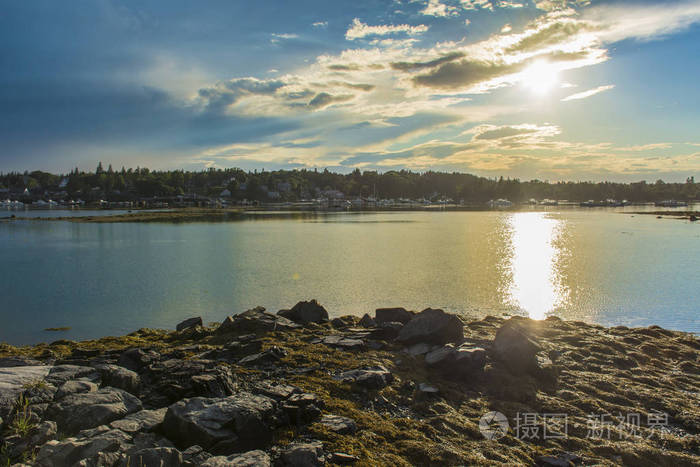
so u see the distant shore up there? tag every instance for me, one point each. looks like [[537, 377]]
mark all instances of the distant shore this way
[[396, 388]]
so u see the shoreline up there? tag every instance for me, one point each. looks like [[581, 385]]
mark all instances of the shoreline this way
[[413, 386]]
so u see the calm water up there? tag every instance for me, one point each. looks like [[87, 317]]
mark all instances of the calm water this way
[[594, 265]]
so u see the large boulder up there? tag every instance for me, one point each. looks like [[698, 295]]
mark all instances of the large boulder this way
[[102, 447], [255, 321], [515, 347], [393, 315], [143, 420], [432, 326], [77, 412], [306, 312], [236, 423], [457, 362], [308, 454], [167, 381], [135, 359]]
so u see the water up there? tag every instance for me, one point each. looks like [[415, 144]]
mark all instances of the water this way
[[596, 265]]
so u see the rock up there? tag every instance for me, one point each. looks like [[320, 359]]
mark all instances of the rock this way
[[189, 323], [432, 326], [77, 412], [277, 391], [457, 362], [136, 359], [156, 457], [303, 408], [255, 321], [195, 456], [59, 374], [367, 321], [342, 342], [306, 312], [9, 362], [255, 458], [239, 422], [375, 377], [269, 357], [391, 315], [343, 322], [427, 388], [303, 455], [338, 424], [13, 381], [95, 450], [515, 348], [143, 420], [387, 331], [343, 459], [564, 459], [77, 386], [168, 381], [420, 348], [119, 377]]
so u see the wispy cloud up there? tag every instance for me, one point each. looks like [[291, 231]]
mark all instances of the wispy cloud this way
[[359, 30], [436, 8], [589, 93], [646, 147]]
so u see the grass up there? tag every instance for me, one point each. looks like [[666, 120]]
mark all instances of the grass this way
[[21, 422], [35, 384]]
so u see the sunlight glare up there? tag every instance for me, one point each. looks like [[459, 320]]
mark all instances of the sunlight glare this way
[[540, 77]]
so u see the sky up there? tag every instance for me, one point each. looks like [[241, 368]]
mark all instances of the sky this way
[[552, 89]]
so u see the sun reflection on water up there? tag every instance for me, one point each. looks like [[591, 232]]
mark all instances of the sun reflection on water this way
[[535, 287]]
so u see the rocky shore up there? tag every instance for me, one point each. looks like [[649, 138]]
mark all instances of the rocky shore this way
[[296, 388]]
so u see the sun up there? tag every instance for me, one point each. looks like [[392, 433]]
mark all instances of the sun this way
[[540, 77]]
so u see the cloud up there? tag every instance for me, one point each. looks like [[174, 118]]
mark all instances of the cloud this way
[[359, 30], [589, 93], [277, 37], [476, 4], [323, 99], [646, 147], [506, 28], [320, 24], [435, 8]]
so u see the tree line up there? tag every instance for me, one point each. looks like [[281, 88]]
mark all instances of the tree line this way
[[293, 185]]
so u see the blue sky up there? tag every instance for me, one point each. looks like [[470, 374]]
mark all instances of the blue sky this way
[[553, 90]]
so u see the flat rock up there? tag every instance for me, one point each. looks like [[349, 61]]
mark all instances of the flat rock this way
[[309, 454], [189, 323], [342, 342], [269, 357], [374, 377], [77, 412], [457, 362], [59, 374], [432, 326], [343, 459], [338, 424], [256, 321], [395, 315], [420, 348], [143, 420], [13, 381], [8, 362], [255, 458], [277, 391], [76, 386], [235, 423], [306, 312]]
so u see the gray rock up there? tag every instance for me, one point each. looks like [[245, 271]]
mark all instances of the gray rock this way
[[77, 386], [189, 323], [59, 374], [432, 326], [389, 315], [515, 347], [375, 377], [343, 322], [255, 458], [427, 388], [342, 342], [303, 455], [242, 421], [13, 381], [165, 382], [343, 459], [420, 348], [367, 321], [9, 362], [338, 424], [306, 312], [143, 420], [86, 449], [269, 357], [119, 377], [195, 456], [277, 391], [255, 321], [135, 359], [303, 408], [77, 412], [439, 355], [457, 362], [387, 330], [155, 457]]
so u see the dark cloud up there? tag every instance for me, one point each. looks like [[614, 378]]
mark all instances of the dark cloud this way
[[225, 94], [465, 73], [323, 99], [407, 66]]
